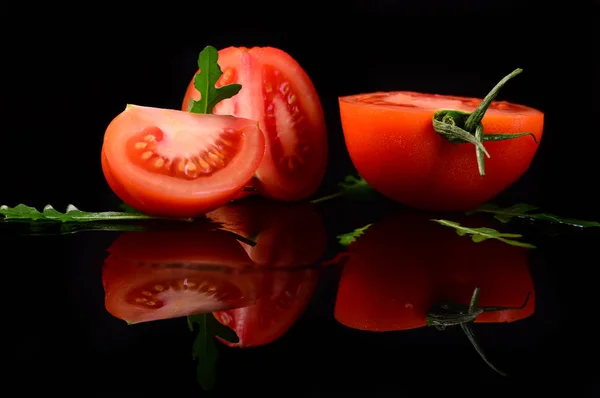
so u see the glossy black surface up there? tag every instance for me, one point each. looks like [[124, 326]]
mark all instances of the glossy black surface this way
[[61, 331]]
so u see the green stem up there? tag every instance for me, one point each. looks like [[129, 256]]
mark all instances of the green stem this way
[[460, 127], [476, 116]]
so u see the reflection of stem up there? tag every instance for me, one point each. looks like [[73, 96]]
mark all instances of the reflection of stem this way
[[448, 314], [326, 198]]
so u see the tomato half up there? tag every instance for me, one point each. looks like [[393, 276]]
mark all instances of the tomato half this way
[[159, 275], [391, 141], [401, 267], [173, 163], [284, 296], [286, 234], [278, 93]]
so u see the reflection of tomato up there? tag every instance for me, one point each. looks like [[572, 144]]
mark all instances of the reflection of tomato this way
[[400, 268], [286, 234], [158, 275], [278, 93], [173, 163], [285, 295], [393, 146]]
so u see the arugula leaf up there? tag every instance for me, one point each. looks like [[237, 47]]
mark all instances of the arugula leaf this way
[[523, 210], [205, 81], [204, 348], [346, 239], [482, 234], [350, 186], [72, 214]]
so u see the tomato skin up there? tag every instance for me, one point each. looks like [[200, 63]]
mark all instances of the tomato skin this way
[[392, 276], [182, 272], [395, 149], [289, 237], [286, 234], [158, 193], [268, 76], [284, 296]]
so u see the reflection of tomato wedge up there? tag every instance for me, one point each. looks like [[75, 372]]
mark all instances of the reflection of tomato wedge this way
[[285, 295], [286, 234], [158, 275], [400, 268]]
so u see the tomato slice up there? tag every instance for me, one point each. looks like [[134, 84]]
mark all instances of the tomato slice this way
[[160, 275], [173, 163], [392, 278], [286, 234], [285, 295], [278, 93], [391, 141]]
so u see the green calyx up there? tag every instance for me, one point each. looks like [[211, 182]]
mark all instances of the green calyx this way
[[461, 127]]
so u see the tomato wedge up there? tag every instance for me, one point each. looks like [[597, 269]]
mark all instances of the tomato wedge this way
[[286, 234], [173, 163], [392, 277], [284, 297], [160, 275], [392, 143], [278, 93]]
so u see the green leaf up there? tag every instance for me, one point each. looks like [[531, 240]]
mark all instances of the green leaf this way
[[22, 212], [204, 348], [351, 185], [205, 81], [346, 239], [523, 210], [483, 234]]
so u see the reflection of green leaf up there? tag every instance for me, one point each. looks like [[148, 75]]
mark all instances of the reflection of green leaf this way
[[52, 228], [523, 210], [72, 214], [204, 349], [350, 186], [482, 234], [346, 239]]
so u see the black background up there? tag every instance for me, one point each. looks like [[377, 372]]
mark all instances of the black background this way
[[70, 71]]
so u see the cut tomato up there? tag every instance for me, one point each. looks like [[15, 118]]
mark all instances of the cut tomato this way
[[159, 275], [173, 163], [277, 93], [387, 287], [392, 143], [284, 297], [286, 234]]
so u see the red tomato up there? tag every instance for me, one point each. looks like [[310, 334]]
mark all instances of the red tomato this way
[[173, 163], [284, 296], [286, 234], [159, 275], [401, 267], [277, 93], [393, 146]]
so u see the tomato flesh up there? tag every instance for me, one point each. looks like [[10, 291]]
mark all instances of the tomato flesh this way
[[173, 163], [151, 276], [277, 93], [393, 146]]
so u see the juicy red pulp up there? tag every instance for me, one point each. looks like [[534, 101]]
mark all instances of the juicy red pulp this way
[[142, 150], [289, 143]]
